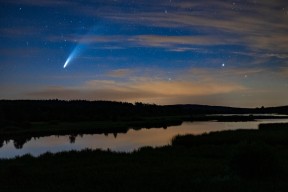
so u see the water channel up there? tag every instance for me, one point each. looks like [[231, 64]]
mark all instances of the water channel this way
[[123, 142]]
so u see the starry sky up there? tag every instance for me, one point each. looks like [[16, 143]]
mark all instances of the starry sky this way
[[216, 52]]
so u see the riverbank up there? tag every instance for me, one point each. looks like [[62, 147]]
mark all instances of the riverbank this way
[[219, 161], [20, 134], [23, 119]]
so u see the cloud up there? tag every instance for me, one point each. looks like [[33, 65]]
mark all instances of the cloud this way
[[137, 89], [245, 33], [284, 71], [259, 25], [201, 85], [89, 38], [119, 73], [20, 52], [108, 91], [171, 41], [41, 3], [225, 72], [14, 32]]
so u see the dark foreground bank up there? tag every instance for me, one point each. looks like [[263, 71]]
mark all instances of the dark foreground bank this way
[[243, 160]]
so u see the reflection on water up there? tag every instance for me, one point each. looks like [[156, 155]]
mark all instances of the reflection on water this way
[[126, 142]]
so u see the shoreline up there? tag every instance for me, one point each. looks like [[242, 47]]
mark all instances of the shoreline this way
[[75, 129]]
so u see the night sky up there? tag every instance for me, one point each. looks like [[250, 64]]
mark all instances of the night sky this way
[[216, 52]]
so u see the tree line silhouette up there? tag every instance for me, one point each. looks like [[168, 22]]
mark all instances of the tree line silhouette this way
[[81, 110]]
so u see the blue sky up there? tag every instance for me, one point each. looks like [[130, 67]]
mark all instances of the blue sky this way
[[218, 52]]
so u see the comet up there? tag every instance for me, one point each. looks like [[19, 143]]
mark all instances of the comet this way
[[82, 44], [67, 61], [76, 51]]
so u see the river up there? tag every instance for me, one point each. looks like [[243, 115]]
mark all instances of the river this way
[[125, 142]]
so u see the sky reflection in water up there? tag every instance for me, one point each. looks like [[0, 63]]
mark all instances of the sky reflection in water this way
[[127, 142]]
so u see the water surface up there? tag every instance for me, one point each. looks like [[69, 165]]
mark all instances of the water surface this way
[[123, 142]]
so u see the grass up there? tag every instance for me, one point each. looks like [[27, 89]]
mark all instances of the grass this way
[[164, 169]]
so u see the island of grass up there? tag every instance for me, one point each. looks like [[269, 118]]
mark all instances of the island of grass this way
[[240, 160]]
